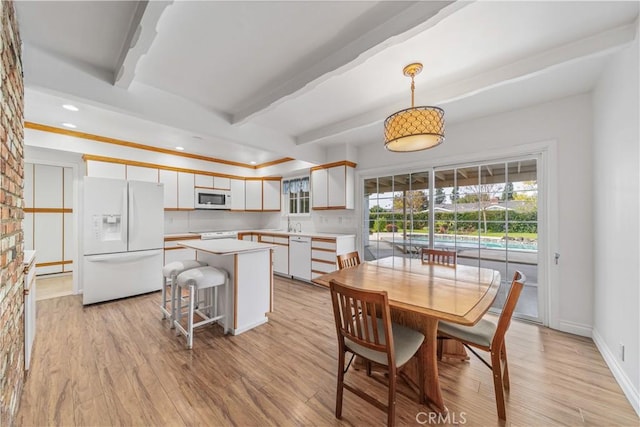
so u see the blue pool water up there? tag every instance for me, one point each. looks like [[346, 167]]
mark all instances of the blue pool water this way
[[473, 242]]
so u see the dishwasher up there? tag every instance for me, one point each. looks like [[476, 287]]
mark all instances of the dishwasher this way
[[300, 257]]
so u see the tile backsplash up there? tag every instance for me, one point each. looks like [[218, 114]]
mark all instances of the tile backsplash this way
[[203, 220], [341, 221]]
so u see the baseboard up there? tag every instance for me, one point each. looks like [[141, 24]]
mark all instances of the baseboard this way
[[575, 328], [618, 373], [245, 328]]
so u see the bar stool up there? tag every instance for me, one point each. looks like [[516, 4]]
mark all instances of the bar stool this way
[[171, 272], [208, 279]]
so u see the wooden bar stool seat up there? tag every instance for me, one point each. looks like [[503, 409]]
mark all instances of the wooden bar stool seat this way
[[169, 274], [207, 279]]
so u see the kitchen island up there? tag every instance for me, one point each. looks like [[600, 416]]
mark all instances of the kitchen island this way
[[249, 264]]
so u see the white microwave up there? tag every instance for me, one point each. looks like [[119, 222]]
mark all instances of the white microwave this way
[[209, 198]]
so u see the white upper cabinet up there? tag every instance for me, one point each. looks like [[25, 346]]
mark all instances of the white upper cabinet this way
[[332, 186], [170, 181], [271, 199], [204, 181], [48, 186], [140, 173], [319, 189], [106, 170], [253, 194], [186, 192], [221, 183], [237, 194]]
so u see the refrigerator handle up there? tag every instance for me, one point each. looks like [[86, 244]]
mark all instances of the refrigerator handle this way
[[131, 212], [123, 229]]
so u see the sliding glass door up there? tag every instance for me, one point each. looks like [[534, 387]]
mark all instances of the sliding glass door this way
[[487, 213]]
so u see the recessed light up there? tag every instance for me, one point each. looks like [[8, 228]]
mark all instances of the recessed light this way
[[70, 107], [252, 162], [69, 125], [180, 148]]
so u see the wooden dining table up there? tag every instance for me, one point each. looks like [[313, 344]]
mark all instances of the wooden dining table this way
[[421, 294]]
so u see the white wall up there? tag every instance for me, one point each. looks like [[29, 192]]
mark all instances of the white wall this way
[[616, 182], [567, 123]]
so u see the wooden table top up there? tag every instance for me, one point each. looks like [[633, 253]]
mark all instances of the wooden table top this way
[[459, 294]]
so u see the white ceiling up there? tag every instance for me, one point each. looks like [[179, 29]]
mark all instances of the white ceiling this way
[[257, 81]]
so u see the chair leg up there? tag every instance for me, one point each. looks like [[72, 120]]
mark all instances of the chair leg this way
[[340, 387], [497, 383], [174, 285], [440, 348], [164, 297], [178, 318], [192, 292], [391, 408], [505, 371], [368, 365]]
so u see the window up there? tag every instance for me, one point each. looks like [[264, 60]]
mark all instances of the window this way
[[296, 193], [487, 213]]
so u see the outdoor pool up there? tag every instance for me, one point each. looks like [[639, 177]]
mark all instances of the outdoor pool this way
[[472, 242]]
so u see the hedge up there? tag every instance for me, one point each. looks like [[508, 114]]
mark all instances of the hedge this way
[[519, 222]]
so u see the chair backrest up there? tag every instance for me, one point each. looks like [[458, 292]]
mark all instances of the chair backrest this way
[[350, 259], [504, 321], [438, 256], [356, 314]]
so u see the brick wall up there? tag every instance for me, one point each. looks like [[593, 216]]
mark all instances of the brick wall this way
[[11, 240]]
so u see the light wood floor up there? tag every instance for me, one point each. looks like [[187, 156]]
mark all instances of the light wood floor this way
[[118, 363], [54, 286]]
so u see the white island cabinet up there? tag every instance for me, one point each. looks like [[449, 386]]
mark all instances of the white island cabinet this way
[[250, 292]]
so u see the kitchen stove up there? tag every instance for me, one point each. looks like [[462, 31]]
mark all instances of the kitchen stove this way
[[209, 235]]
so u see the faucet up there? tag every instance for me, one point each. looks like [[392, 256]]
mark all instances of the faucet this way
[[299, 227], [288, 224]]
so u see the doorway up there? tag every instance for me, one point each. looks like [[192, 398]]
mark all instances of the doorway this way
[[487, 212]]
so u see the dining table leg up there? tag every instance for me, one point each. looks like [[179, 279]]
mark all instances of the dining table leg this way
[[429, 328], [433, 394]]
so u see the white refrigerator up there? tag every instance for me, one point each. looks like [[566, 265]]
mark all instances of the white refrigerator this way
[[123, 228]]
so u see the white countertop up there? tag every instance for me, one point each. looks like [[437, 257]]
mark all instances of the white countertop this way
[[272, 231], [185, 234], [225, 246], [304, 233]]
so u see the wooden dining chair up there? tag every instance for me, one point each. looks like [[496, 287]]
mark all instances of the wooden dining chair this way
[[489, 336], [350, 259], [364, 328], [439, 256]]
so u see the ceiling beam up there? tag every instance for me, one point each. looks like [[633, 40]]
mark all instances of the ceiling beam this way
[[459, 87], [140, 37], [414, 16], [50, 73]]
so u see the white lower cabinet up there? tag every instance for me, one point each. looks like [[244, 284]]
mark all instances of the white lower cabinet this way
[[325, 251], [280, 253], [29, 311]]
